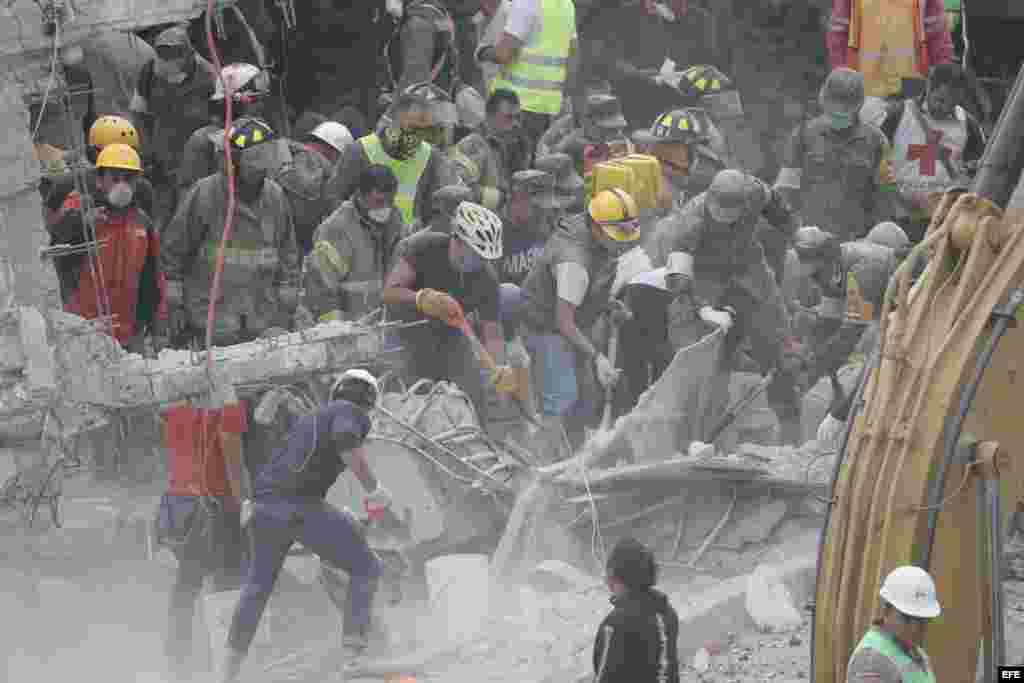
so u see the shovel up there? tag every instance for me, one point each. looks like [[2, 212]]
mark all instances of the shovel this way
[[521, 393]]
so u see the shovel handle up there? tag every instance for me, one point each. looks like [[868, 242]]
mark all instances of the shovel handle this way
[[613, 352]]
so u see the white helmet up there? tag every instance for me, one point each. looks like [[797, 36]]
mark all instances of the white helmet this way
[[239, 78], [480, 228], [911, 591], [333, 133], [888, 234], [360, 376]]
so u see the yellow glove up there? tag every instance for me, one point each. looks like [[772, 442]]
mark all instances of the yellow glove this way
[[503, 378], [439, 305]]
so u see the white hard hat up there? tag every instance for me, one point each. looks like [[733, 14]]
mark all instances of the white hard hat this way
[[480, 228], [240, 78], [334, 134], [911, 591], [889, 234], [356, 375]]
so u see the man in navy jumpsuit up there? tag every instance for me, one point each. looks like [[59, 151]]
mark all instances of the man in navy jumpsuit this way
[[288, 506]]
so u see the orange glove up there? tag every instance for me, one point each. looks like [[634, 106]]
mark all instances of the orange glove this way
[[440, 306], [504, 379]]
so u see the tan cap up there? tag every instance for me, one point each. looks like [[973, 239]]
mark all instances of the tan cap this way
[[540, 185], [605, 111], [176, 36]]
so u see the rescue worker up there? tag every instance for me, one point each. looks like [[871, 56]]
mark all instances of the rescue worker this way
[[203, 155], [423, 48], [599, 137], [888, 234], [565, 293], [682, 140], [198, 517], [569, 185], [715, 262], [836, 169], [890, 652], [106, 130], [534, 49], [169, 103], [288, 505], [352, 250], [328, 139], [529, 218], [645, 350], [126, 282], [851, 278], [446, 202], [444, 278], [420, 167], [261, 260], [487, 158], [892, 46], [935, 144]]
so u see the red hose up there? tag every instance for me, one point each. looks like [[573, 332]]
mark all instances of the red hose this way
[[229, 218], [229, 222]]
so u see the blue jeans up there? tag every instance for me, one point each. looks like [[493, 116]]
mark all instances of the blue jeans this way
[[276, 523], [560, 394]]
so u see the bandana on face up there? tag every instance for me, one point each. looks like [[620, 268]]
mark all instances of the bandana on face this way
[[120, 195], [401, 143]]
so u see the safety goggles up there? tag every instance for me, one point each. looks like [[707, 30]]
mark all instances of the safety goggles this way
[[117, 175], [627, 230]]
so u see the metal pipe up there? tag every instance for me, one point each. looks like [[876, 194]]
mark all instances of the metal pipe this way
[[984, 558], [1002, 162], [995, 559]]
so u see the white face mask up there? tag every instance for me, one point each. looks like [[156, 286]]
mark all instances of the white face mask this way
[[120, 195], [380, 215]]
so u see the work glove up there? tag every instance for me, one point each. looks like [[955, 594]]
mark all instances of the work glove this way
[[440, 306], [377, 501], [245, 514], [830, 430], [303, 318], [618, 312], [503, 378], [716, 317], [607, 374]]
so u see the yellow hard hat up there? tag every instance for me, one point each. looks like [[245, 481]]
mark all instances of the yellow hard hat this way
[[617, 213], [107, 130], [119, 156]]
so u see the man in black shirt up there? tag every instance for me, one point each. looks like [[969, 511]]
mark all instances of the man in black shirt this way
[[444, 277]]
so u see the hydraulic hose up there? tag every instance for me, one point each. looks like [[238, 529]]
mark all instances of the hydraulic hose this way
[[1004, 315]]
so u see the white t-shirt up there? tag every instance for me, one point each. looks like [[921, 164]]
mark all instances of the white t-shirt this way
[[571, 282], [652, 278]]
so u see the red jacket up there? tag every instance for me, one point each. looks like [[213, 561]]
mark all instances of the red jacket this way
[[936, 45], [127, 276]]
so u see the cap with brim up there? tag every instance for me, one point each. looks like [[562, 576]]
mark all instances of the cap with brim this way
[[560, 165], [176, 36], [605, 111], [834, 104], [724, 213], [539, 185]]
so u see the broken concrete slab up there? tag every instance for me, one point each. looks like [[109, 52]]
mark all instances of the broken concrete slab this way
[[714, 613], [757, 519], [555, 576], [769, 602]]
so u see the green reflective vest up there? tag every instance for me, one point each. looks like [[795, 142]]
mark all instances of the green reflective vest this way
[[882, 643], [538, 76], [408, 172]]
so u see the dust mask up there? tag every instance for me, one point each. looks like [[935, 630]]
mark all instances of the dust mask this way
[[120, 195], [841, 120], [379, 215]]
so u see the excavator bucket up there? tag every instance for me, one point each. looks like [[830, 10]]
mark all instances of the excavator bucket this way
[[901, 495]]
